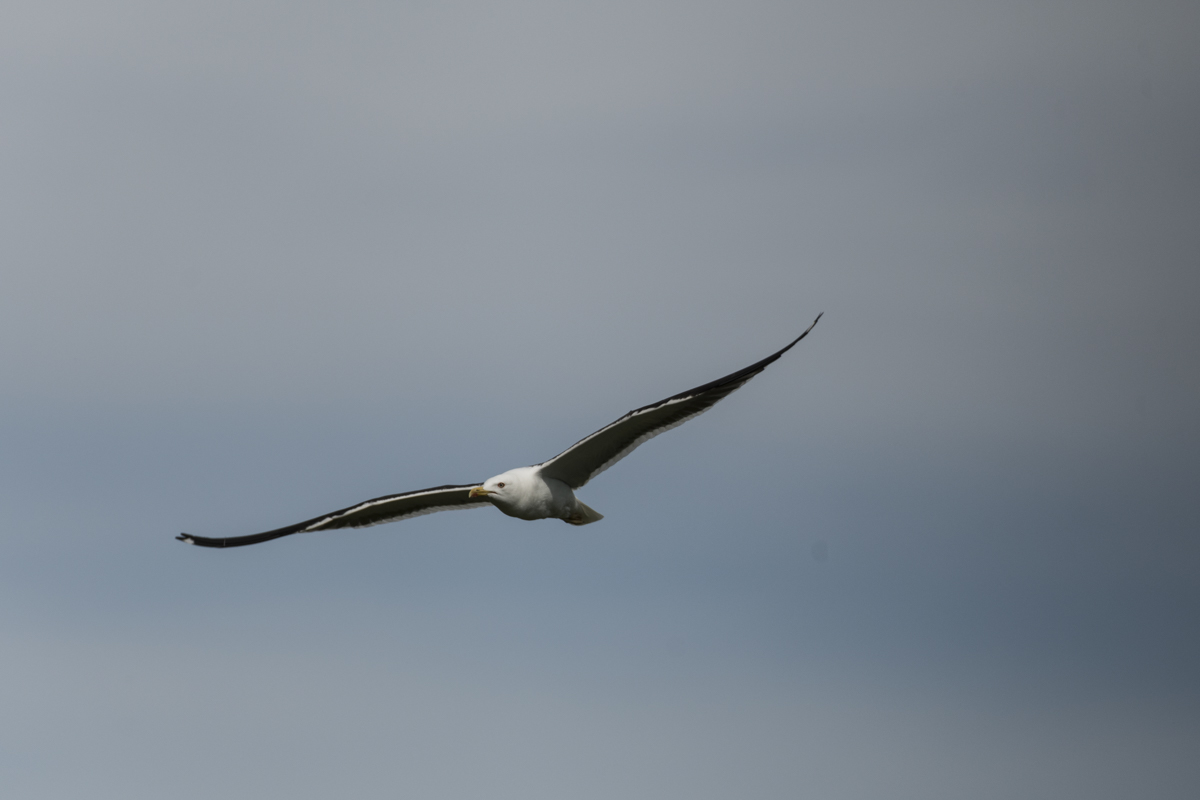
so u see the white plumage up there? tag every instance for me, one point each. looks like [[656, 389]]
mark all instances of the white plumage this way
[[542, 491]]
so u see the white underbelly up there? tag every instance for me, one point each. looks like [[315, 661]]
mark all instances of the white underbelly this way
[[549, 499]]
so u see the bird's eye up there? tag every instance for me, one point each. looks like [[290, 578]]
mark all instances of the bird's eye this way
[[500, 485]]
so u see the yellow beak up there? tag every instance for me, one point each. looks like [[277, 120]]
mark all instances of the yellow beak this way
[[478, 491]]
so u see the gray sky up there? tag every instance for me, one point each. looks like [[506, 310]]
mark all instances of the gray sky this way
[[262, 260]]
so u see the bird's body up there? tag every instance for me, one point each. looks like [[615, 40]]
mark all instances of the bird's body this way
[[525, 493], [542, 491]]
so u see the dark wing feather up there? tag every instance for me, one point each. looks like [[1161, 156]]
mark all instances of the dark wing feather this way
[[591, 455], [372, 512]]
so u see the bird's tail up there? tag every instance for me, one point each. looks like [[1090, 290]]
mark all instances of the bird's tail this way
[[584, 515]]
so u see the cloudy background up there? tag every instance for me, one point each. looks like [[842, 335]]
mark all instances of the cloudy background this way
[[262, 260]]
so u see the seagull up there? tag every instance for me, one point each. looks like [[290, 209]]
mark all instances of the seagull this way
[[542, 491]]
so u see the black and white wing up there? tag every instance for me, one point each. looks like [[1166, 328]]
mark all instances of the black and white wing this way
[[591, 455], [372, 512]]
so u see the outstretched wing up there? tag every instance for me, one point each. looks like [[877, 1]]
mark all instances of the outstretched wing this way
[[372, 512], [590, 456]]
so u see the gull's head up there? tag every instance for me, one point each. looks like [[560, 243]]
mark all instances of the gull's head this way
[[497, 488]]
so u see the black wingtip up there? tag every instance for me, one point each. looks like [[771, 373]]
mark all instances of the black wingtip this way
[[183, 537], [798, 338]]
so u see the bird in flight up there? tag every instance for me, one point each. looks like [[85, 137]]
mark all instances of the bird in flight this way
[[543, 491]]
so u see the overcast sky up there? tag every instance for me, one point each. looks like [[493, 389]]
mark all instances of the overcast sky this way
[[262, 260]]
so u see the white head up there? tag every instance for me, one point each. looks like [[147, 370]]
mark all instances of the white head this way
[[502, 489]]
